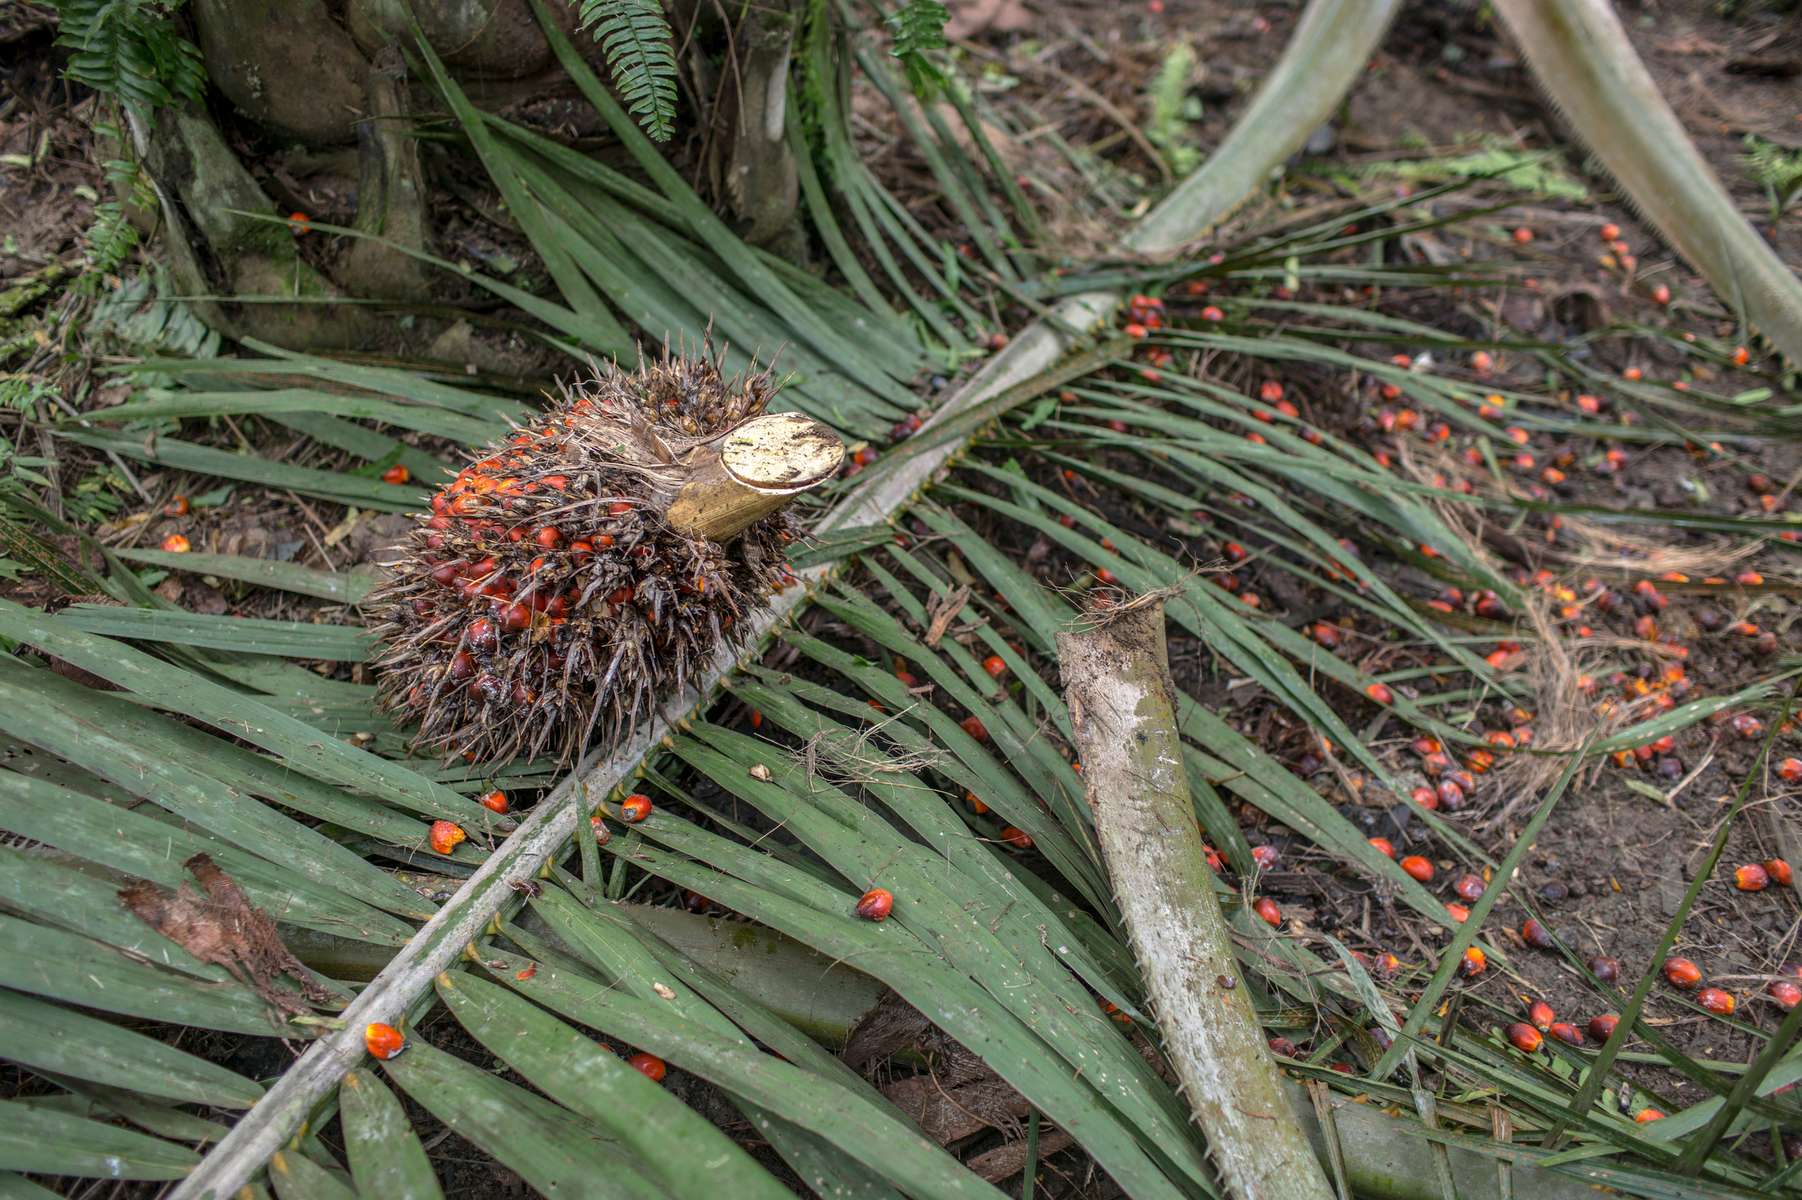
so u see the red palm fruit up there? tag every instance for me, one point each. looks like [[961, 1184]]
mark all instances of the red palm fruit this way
[[1601, 1027], [1790, 770], [1383, 847], [1751, 878], [1380, 693], [1474, 963], [1283, 1046], [1267, 910], [1682, 973], [1418, 866], [602, 834], [1604, 968], [1646, 1116], [1265, 856], [974, 728], [1469, 887], [1019, 839], [1536, 935], [1525, 1038], [175, 543], [1717, 1001], [995, 665], [635, 808], [1426, 797], [876, 904], [1457, 912], [648, 1065], [383, 1041], [976, 805], [620, 629], [1778, 870], [396, 474], [495, 801], [1567, 1033], [445, 836], [1785, 993], [1541, 1015]]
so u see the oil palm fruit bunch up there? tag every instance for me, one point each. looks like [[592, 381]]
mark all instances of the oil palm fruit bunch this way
[[594, 561]]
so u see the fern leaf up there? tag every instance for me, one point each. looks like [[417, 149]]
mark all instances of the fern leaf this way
[[916, 29], [641, 53], [130, 49]]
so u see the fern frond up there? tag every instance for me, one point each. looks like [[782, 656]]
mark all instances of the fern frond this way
[[641, 53], [917, 28], [130, 49]]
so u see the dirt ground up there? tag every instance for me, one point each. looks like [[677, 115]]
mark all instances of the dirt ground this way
[[1610, 871]]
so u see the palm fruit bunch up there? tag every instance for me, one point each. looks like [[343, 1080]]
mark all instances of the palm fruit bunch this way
[[594, 561]]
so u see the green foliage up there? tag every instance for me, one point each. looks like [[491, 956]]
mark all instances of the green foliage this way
[[641, 52], [918, 28], [1777, 170], [137, 315], [1173, 109], [1534, 172], [130, 49]]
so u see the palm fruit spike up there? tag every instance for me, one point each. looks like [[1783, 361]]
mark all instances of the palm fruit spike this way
[[595, 561]]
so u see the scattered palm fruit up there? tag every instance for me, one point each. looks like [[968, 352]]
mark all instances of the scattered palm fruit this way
[[1646, 1116], [175, 543], [1474, 963], [1265, 856], [178, 506], [1536, 935], [1716, 1001], [396, 474], [1457, 912], [1610, 232], [1602, 1026], [876, 904], [1785, 993], [1283, 1046], [1682, 973], [1019, 839], [635, 808], [445, 836], [495, 801], [1469, 887], [1751, 878], [383, 1041], [1567, 1033], [560, 585], [648, 1065], [1267, 910], [1418, 866], [1383, 846], [1525, 1038], [1778, 870], [1604, 968], [995, 665], [1790, 770], [1541, 1015], [1380, 693]]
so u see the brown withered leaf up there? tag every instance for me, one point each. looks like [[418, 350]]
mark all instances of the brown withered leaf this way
[[949, 1113], [1007, 1161], [219, 924]]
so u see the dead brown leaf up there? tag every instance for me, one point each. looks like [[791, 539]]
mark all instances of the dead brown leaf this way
[[944, 610], [218, 924], [979, 16]]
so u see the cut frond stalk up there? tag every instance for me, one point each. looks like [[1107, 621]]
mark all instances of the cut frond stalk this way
[[1117, 680], [1581, 56]]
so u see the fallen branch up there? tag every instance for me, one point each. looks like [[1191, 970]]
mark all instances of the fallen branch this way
[[1122, 705]]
